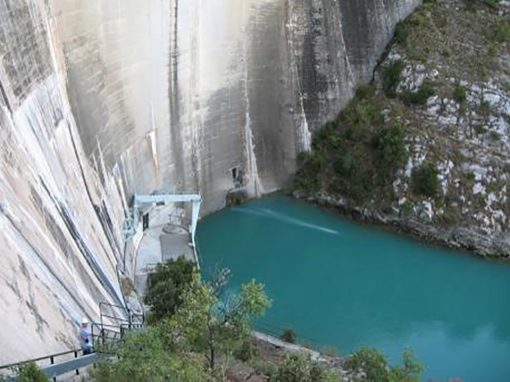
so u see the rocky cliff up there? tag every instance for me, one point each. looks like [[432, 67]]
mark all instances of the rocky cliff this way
[[431, 135], [100, 99]]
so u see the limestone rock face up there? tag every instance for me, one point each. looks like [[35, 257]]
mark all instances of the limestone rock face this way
[[449, 71], [101, 99]]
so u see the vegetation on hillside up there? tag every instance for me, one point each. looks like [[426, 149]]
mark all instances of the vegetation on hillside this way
[[358, 154], [408, 134]]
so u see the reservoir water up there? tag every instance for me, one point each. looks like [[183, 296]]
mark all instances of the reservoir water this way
[[344, 285]]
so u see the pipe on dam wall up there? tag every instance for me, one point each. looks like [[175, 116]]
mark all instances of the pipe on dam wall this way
[[101, 99]]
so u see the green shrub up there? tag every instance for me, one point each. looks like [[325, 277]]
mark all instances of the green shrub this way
[[494, 135], [376, 368], [299, 367], [401, 33], [307, 175], [246, 350], [460, 94], [391, 149], [473, 3], [144, 356], [372, 362], [29, 372], [420, 96], [499, 32], [410, 371], [269, 369], [391, 77], [289, 335], [166, 287], [361, 114], [425, 181], [365, 91], [491, 3], [353, 176]]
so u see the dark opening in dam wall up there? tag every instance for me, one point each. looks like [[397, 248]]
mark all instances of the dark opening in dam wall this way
[[103, 99]]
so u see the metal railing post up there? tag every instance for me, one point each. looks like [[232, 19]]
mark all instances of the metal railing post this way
[[52, 361], [76, 356]]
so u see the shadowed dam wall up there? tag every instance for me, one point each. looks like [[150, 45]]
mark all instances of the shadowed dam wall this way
[[100, 99]]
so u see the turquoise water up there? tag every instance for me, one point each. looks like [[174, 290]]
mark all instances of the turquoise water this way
[[345, 285]]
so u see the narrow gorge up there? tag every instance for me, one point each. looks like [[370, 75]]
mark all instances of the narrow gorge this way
[[104, 99]]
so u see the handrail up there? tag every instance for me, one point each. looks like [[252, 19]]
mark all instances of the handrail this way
[[39, 359]]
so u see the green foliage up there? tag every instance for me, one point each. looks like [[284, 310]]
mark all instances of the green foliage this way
[[491, 3], [217, 326], [356, 155], [267, 368], [391, 77], [246, 351], [420, 96], [425, 181], [29, 372], [494, 135], [375, 365], [372, 362], [401, 33], [353, 179], [299, 367], [360, 115], [309, 167], [289, 335], [499, 33], [144, 356], [410, 371], [166, 287], [391, 149], [459, 94], [473, 3], [365, 91]]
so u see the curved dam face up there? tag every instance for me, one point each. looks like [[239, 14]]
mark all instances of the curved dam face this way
[[101, 99]]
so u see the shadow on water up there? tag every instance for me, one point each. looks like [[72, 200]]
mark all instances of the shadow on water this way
[[347, 285]]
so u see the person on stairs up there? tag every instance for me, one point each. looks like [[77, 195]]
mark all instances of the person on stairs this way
[[85, 337]]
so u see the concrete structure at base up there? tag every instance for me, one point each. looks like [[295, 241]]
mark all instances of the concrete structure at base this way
[[103, 99], [165, 234]]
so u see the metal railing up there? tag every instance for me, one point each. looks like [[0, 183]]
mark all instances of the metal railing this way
[[104, 335], [53, 364]]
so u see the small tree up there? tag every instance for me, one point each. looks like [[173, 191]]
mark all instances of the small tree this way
[[167, 285], [208, 322]]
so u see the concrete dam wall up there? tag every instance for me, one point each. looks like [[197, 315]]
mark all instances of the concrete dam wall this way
[[101, 99]]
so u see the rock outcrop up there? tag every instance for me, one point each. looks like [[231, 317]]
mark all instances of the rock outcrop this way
[[447, 85]]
